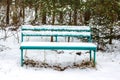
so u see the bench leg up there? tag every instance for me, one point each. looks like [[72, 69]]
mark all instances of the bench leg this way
[[21, 37], [90, 55], [94, 57], [21, 57]]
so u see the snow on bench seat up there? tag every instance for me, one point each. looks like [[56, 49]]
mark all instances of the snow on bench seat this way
[[58, 45]]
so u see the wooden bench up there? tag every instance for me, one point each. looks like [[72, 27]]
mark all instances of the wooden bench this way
[[56, 31]]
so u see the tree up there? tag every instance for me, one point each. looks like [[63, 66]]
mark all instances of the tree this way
[[104, 13], [7, 11]]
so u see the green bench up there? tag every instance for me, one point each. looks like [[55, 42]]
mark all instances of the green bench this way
[[57, 31]]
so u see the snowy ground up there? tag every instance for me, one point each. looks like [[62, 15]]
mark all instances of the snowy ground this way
[[108, 64]]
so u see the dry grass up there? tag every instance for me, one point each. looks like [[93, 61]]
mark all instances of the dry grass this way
[[82, 65]]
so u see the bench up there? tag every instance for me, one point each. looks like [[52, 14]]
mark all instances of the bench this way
[[57, 31]]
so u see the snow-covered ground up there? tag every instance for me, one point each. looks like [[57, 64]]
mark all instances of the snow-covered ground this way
[[107, 68]]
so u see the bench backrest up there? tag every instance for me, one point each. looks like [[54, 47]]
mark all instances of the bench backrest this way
[[51, 30]]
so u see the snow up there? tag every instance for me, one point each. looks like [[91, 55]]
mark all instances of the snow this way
[[56, 33], [56, 27], [58, 44], [107, 68]]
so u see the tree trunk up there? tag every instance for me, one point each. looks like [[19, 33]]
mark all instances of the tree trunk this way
[[36, 11], [61, 18], [70, 18], [43, 14], [53, 21], [23, 15], [7, 12], [75, 16], [87, 16], [110, 39], [23, 12], [44, 18], [69, 23], [53, 18]]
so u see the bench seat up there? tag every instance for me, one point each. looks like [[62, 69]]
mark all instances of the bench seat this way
[[58, 45]]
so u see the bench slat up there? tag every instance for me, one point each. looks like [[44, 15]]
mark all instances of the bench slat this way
[[56, 28], [53, 33], [58, 45]]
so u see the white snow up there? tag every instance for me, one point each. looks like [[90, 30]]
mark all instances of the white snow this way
[[56, 27], [65, 44], [56, 33], [107, 68]]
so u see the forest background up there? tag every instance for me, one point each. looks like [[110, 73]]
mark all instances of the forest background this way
[[103, 16]]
